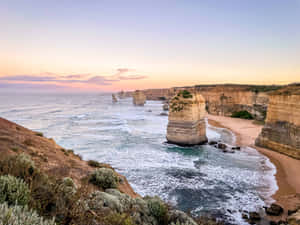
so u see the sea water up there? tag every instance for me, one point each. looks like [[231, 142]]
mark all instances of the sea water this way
[[200, 179]]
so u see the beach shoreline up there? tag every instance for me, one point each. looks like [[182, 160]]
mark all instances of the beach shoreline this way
[[287, 168]]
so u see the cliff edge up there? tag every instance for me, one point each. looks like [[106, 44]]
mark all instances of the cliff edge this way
[[281, 132]]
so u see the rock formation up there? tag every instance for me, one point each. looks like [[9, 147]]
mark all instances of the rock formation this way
[[139, 98], [281, 132], [186, 119], [114, 98], [166, 106], [123, 94]]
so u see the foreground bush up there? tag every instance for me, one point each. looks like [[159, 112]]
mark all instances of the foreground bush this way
[[13, 190], [158, 209], [104, 178], [19, 166], [242, 114], [19, 215]]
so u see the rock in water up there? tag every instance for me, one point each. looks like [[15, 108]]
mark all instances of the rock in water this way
[[281, 132], [186, 119], [274, 210], [294, 219], [166, 107], [139, 98], [114, 98]]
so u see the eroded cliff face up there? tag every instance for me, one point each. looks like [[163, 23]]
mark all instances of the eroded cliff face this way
[[282, 128], [139, 98], [186, 119], [226, 100]]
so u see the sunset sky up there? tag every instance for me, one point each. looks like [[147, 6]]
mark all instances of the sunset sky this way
[[113, 45]]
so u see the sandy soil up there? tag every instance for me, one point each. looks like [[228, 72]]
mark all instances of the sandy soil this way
[[288, 169]]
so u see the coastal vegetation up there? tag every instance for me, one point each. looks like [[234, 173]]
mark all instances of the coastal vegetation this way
[[242, 114], [64, 189]]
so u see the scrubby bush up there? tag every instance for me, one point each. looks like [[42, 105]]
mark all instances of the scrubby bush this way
[[243, 115], [104, 178], [19, 166], [185, 94], [158, 209], [19, 215], [13, 190], [118, 219], [94, 163]]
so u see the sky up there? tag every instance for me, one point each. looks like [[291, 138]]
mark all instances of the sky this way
[[114, 45]]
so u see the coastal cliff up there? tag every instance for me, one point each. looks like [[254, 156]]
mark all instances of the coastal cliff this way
[[139, 98], [281, 132], [186, 119], [224, 100]]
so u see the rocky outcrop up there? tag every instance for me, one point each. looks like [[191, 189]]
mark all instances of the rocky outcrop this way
[[166, 106], [123, 94], [282, 128], [186, 119], [139, 98], [114, 98], [294, 219]]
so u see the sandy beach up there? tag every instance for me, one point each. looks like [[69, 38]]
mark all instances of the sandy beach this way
[[288, 169]]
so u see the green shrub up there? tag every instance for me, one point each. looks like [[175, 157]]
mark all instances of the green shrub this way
[[68, 186], [19, 215], [40, 134], [185, 94], [158, 209], [94, 163], [242, 114], [104, 178], [19, 166], [13, 190], [118, 219]]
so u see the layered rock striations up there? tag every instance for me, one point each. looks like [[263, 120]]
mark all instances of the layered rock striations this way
[[186, 119], [139, 98], [226, 100], [281, 132]]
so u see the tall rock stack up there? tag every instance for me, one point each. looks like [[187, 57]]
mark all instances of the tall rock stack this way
[[186, 119], [139, 98], [281, 132]]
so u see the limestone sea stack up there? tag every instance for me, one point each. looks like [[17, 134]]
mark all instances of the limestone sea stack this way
[[281, 132], [186, 119], [114, 98], [139, 98]]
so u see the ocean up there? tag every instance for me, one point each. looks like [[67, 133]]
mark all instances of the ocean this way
[[200, 179]]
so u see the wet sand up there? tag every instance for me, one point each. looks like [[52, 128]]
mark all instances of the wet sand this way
[[288, 169]]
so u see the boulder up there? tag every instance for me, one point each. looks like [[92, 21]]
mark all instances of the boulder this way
[[222, 146], [254, 216], [294, 219], [166, 107], [186, 119], [212, 143], [274, 210], [139, 99], [163, 114]]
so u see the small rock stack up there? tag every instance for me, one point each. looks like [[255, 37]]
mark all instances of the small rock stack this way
[[139, 98]]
